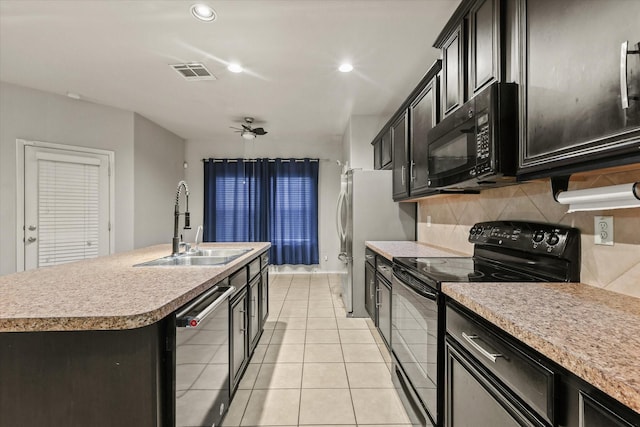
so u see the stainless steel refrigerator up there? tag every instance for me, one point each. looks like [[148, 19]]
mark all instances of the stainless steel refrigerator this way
[[366, 211]]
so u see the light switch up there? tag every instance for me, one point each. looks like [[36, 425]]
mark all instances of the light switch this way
[[603, 230]]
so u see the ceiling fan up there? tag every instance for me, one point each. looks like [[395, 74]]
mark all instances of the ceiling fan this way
[[248, 132]]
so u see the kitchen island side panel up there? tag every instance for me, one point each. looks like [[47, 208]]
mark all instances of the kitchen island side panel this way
[[83, 378]]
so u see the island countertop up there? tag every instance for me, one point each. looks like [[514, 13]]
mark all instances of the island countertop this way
[[108, 292], [592, 332]]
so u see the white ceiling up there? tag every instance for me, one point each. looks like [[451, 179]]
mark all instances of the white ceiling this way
[[118, 53]]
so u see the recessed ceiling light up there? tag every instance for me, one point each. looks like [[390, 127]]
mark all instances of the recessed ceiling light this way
[[203, 12], [235, 68], [345, 68]]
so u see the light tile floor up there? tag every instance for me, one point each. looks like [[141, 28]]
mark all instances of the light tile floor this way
[[313, 366]]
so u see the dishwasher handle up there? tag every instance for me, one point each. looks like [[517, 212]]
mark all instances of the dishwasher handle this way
[[183, 320]]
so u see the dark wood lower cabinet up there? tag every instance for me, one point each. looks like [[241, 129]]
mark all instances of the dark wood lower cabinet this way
[[239, 339], [370, 291], [384, 309], [85, 378]]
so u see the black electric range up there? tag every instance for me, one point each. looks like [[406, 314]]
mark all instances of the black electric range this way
[[504, 251]]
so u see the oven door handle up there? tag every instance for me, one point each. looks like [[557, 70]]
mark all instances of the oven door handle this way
[[402, 278]]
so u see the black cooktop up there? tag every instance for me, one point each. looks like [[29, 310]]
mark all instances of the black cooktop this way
[[438, 270], [505, 251]]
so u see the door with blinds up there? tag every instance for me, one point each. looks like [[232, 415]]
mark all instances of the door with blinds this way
[[66, 206]]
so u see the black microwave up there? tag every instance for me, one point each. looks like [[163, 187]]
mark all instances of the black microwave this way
[[477, 145]]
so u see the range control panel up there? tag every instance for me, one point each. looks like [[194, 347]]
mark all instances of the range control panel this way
[[531, 237]]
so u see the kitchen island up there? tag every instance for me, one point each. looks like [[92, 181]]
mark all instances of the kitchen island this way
[[86, 343]]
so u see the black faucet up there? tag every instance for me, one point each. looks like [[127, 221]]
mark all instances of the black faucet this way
[[176, 216]]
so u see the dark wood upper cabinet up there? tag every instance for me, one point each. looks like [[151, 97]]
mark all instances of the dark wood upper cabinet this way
[[453, 71], [484, 46], [472, 51], [382, 151], [576, 72], [400, 143], [423, 114], [377, 154]]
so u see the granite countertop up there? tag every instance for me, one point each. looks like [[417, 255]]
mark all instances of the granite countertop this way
[[390, 249], [591, 332], [107, 292]]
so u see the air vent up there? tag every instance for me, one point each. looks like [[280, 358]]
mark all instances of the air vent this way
[[194, 71]]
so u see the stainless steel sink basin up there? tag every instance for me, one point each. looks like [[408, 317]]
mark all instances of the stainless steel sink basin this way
[[200, 257], [223, 252]]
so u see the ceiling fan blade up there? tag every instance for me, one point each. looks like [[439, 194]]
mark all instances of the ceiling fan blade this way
[[259, 131], [238, 129], [247, 128]]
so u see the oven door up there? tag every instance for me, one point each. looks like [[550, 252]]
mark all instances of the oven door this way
[[414, 338], [452, 156]]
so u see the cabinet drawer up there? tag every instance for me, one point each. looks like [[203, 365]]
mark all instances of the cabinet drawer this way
[[254, 268], [529, 379], [239, 279], [383, 266], [370, 257]]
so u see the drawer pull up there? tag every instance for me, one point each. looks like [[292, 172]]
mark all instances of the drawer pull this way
[[471, 339]]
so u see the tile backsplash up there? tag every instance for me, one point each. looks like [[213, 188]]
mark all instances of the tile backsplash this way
[[445, 221]]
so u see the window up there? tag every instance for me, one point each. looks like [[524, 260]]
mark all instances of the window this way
[[264, 200]]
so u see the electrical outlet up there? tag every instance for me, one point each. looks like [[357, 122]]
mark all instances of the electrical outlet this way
[[603, 230], [428, 220]]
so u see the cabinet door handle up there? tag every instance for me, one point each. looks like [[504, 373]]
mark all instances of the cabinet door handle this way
[[244, 326], [471, 339], [411, 174], [253, 307], [378, 298], [624, 90], [402, 174]]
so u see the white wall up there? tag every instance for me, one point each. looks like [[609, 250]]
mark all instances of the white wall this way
[[158, 167], [235, 146], [357, 138], [40, 116]]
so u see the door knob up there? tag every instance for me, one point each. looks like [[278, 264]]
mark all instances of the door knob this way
[[31, 239], [32, 228]]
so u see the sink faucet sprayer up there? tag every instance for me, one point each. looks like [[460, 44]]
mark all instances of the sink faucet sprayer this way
[[176, 217]]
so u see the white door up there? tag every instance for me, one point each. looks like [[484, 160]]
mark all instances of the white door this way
[[66, 206]]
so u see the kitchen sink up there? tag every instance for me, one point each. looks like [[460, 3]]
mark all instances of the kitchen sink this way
[[223, 252], [219, 256]]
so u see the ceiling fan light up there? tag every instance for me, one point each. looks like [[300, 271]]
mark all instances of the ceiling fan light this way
[[203, 12], [248, 135], [345, 68], [235, 68]]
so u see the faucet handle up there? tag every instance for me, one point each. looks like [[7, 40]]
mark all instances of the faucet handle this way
[[198, 235]]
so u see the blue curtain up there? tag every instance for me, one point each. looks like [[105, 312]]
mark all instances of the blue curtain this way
[[236, 201], [264, 201], [294, 208]]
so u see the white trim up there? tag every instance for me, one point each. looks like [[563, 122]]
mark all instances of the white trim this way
[[20, 180]]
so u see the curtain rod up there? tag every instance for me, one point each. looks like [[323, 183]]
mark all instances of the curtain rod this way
[[270, 160]]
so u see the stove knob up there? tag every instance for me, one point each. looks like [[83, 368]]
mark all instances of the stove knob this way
[[538, 236], [553, 239]]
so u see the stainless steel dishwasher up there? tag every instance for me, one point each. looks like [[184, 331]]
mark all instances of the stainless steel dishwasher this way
[[202, 359]]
